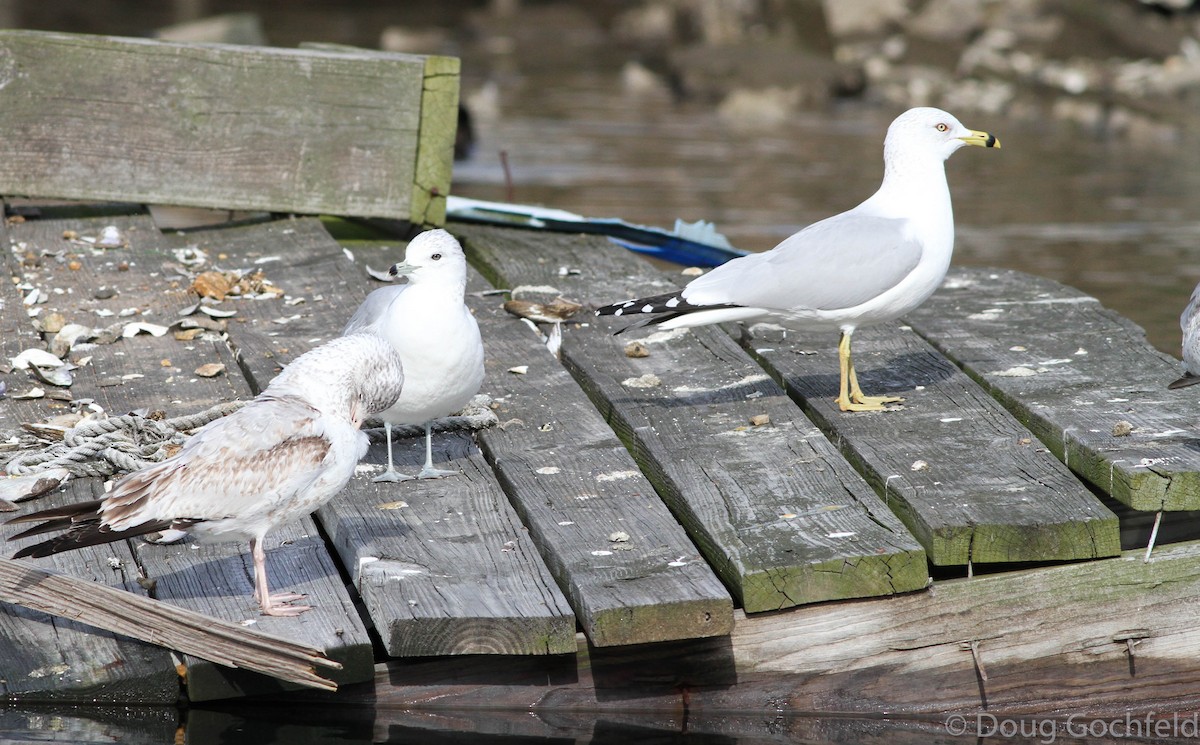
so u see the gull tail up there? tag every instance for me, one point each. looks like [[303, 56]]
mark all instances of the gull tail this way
[[82, 526], [668, 306]]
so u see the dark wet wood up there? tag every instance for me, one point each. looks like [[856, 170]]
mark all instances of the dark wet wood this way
[[632, 574], [1071, 370], [445, 566], [777, 512], [959, 470], [219, 126]]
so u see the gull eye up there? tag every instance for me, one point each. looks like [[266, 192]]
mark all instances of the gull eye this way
[[436, 257], [942, 127]]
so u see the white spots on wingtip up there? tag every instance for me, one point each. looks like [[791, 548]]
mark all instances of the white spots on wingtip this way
[[672, 302], [647, 308]]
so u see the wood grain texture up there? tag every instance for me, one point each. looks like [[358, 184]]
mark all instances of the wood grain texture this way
[[576, 487], [965, 477], [1070, 370], [156, 373], [445, 549], [1051, 642], [777, 512], [288, 130]]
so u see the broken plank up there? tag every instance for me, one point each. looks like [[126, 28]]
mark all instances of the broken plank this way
[[778, 513], [629, 569], [441, 544], [55, 659], [965, 477], [209, 125], [1072, 371], [160, 624]]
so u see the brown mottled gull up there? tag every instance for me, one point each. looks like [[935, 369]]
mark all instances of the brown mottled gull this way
[[276, 459]]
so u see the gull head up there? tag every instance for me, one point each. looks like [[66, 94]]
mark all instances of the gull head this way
[[349, 377], [434, 253], [927, 134]]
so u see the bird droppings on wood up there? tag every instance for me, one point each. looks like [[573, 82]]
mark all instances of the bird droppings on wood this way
[[649, 380]]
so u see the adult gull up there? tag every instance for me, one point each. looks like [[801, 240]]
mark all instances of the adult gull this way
[[428, 323], [274, 460], [867, 265]]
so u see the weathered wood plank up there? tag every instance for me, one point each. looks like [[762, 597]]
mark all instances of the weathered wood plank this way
[[777, 512], [1051, 641], [430, 559], [286, 130], [156, 373], [965, 477], [1070, 370], [576, 486]]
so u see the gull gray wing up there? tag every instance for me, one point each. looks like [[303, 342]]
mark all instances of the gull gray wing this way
[[372, 309], [840, 262]]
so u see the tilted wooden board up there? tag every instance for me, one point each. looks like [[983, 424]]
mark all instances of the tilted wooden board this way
[[777, 512], [1070, 370], [248, 128], [965, 477], [632, 574]]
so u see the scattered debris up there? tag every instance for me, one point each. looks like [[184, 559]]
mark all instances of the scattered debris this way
[[1122, 429], [919, 465], [636, 349], [619, 536], [519, 369], [210, 370], [138, 327], [556, 311], [758, 420]]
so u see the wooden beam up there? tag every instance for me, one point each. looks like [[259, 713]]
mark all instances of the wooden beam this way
[[238, 127], [1072, 371]]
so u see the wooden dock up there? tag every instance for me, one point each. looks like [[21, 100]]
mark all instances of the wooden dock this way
[[633, 510], [649, 539]]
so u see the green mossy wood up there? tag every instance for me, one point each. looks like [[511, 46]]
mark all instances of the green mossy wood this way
[[1072, 372], [347, 132]]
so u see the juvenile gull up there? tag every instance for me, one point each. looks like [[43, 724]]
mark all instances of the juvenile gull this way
[[427, 321], [1189, 322], [867, 265], [276, 459]]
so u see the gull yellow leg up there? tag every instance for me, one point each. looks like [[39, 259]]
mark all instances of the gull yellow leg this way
[[850, 395]]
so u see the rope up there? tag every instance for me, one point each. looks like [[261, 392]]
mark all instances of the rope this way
[[476, 415], [121, 443]]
